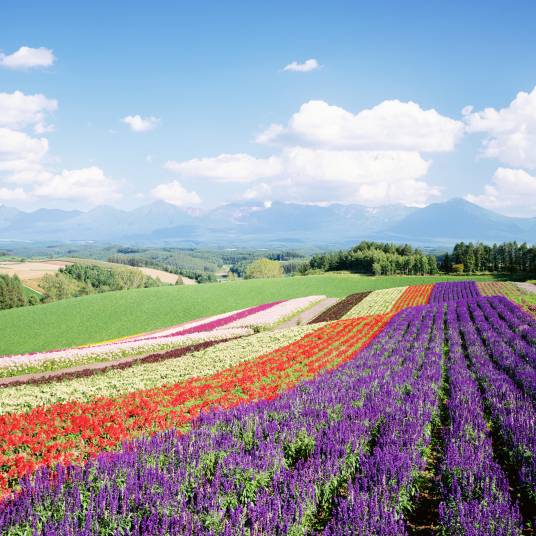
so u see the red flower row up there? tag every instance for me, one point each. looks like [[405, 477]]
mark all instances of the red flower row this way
[[74, 431], [416, 295]]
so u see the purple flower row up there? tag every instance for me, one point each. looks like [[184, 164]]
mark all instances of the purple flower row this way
[[382, 490], [475, 490], [509, 351], [454, 291], [510, 409]]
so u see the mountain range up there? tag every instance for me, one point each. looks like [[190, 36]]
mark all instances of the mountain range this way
[[255, 224]]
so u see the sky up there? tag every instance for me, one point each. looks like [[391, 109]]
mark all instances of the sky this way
[[204, 103]]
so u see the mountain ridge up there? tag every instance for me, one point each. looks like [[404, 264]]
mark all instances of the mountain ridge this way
[[250, 223]]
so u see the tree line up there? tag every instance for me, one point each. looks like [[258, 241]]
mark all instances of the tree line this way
[[376, 258], [12, 293], [82, 279], [508, 257]]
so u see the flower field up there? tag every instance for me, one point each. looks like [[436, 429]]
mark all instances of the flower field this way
[[422, 399], [74, 430]]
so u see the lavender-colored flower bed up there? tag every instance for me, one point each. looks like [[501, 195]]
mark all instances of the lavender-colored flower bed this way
[[341, 454], [475, 491], [454, 291]]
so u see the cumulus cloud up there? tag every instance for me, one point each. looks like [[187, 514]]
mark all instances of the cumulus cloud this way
[[175, 193], [18, 146], [238, 167], [89, 184], [20, 111], [511, 131], [10, 195], [390, 125], [512, 192], [27, 58], [137, 123], [308, 65]]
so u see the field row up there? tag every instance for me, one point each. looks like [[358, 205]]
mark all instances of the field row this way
[[345, 452]]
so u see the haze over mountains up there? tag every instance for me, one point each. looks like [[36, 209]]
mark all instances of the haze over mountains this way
[[255, 224]]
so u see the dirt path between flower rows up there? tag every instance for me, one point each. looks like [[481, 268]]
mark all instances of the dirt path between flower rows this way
[[304, 318]]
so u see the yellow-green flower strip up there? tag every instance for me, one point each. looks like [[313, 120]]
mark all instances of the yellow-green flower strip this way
[[376, 303]]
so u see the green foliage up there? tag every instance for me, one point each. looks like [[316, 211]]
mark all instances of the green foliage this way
[[377, 258], [11, 292], [80, 279], [508, 257], [99, 317], [300, 448], [458, 268], [264, 268]]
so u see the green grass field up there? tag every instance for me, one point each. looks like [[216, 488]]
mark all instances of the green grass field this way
[[101, 317]]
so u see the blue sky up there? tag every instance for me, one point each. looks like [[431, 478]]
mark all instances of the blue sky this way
[[378, 121]]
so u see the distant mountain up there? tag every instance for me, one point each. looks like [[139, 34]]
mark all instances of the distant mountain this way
[[458, 220], [254, 224]]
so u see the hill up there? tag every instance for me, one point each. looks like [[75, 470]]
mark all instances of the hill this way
[[101, 317]]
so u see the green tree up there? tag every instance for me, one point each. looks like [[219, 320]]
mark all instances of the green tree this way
[[264, 268], [59, 286]]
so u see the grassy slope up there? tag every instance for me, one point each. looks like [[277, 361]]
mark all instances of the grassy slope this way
[[30, 292], [117, 314]]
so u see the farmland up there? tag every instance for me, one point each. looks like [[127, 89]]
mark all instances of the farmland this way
[[102, 317], [415, 416], [391, 403]]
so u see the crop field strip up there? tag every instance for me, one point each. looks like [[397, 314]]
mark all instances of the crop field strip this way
[[73, 431], [377, 302], [349, 451], [121, 364], [416, 295], [339, 309]]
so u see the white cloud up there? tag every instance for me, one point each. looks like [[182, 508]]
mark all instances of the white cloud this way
[[305, 164], [238, 167], [512, 192], [305, 67], [17, 194], [19, 111], [367, 177], [389, 125], [270, 134], [88, 184], [16, 146], [175, 193], [137, 123], [27, 58], [511, 130]]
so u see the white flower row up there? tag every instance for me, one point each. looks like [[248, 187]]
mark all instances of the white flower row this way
[[146, 376], [277, 313]]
